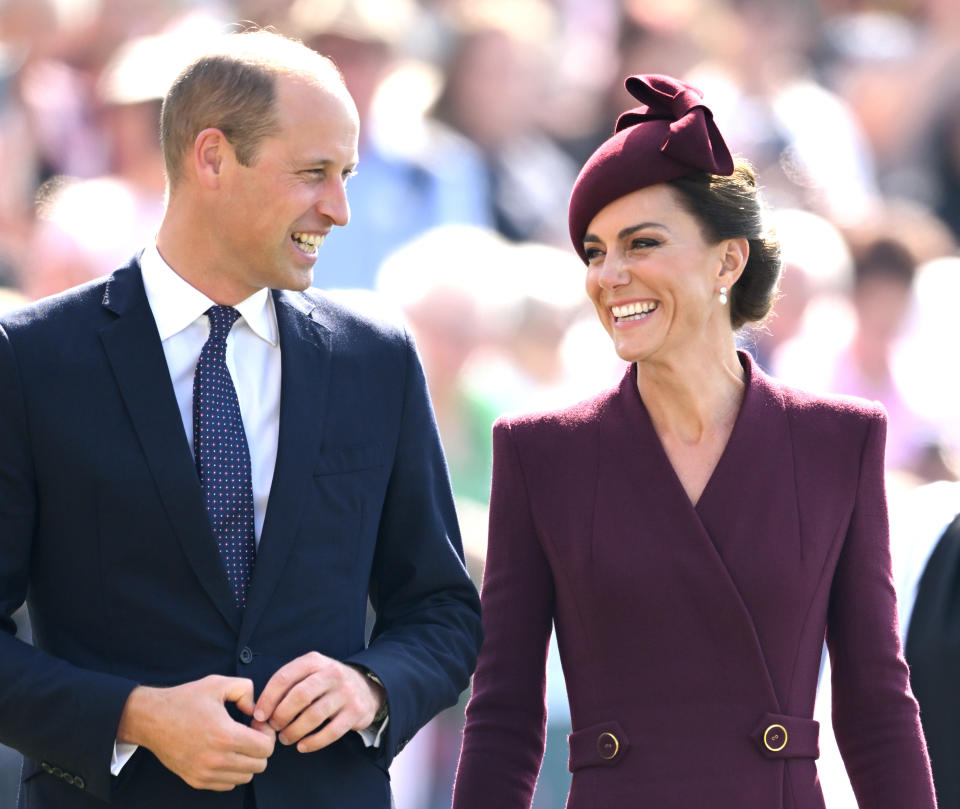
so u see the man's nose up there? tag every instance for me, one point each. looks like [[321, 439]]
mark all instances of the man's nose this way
[[333, 203]]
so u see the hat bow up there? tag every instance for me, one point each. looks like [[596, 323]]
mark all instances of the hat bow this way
[[692, 136]]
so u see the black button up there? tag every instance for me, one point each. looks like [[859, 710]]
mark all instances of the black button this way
[[46, 767], [58, 772], [246, 655], [68, 778], [79, 783]]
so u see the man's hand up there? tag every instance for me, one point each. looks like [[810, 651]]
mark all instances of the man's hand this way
[[317, 692], [188, 729]]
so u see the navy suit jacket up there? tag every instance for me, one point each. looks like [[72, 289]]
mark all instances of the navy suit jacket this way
[[690, 636], [104, 531]]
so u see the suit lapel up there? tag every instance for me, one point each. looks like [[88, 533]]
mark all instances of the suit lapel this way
[[135, 353], [305, 361]]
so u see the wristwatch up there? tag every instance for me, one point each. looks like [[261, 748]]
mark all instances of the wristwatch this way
[[383, 710]]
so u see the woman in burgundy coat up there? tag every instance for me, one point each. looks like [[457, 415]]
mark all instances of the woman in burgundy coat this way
[[694, 533]]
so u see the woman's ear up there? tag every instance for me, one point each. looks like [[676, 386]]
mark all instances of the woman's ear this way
[[734, 256]]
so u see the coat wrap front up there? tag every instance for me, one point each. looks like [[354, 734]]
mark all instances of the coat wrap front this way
[[690, 636]]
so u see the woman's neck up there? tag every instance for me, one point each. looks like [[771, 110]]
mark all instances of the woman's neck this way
[[693, 397]]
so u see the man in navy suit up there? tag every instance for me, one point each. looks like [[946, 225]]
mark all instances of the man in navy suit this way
[[165, 672]]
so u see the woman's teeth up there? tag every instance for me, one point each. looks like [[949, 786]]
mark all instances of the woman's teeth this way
[[633, 311]]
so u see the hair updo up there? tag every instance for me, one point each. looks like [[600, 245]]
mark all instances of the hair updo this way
[[729, 207]]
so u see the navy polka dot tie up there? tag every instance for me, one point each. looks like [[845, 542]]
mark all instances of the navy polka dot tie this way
[[222, 455]]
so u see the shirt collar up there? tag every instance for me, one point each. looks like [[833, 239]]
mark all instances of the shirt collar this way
[[176, 304]]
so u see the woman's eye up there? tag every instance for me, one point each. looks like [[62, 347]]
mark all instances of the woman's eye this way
[[592, 253], [641, 244]]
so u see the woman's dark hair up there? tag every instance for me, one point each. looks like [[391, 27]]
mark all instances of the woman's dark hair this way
[[730, 208]]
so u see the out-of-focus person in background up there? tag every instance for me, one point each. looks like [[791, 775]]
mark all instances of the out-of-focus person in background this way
[[439, 299], [496, 72], [814, 285], [857, 354], [529, 300], [622, 522], [413, 173], [85, 225]]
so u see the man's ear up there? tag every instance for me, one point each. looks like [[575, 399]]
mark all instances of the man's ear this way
[[211, 150]]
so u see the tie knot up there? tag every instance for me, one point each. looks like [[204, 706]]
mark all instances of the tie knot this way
[[222, 319]]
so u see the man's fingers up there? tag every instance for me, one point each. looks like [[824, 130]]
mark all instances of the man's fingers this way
[[277, 687], [328, 734], [238, 690], [263, 727], [312, 717], [284, 680], [252, 743], [298, 700]]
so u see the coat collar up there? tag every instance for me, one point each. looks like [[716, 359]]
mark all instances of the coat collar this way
[[746, 518]]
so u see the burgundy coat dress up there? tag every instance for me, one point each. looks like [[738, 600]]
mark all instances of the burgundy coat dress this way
[[690, 636]]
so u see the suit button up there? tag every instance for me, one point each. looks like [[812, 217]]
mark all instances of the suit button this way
[[246, 655], [608, 746], [57, 772], [775, 738], [46, 767], [79, 783], [68, 778]]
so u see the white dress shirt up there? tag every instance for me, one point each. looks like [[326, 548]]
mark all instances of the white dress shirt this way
[[253, 359]]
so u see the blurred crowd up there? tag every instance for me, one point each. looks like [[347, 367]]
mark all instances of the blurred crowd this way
[[475, 118]]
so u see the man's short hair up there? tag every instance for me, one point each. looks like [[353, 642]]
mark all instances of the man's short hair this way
[[233, 88]]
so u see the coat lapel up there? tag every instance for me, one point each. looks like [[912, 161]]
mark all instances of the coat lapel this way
[[306, 357], [135, 353], [643, 508], [750, 511]]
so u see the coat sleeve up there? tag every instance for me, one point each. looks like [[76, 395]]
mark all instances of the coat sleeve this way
[[875, 716], [504, 735], [427, 632], [50, 710]]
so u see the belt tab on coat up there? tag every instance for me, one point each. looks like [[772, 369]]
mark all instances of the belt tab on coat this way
[[602, 745], [781, 736]]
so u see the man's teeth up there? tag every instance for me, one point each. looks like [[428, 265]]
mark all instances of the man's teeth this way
[[308, 241], [633, 311]]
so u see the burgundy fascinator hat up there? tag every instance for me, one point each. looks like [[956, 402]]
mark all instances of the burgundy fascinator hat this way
[[671, 134]]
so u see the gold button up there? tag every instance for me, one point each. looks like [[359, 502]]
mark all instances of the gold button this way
[[608, 746], [775, 738]]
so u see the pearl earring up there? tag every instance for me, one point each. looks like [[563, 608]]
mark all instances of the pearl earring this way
[[723, 296]]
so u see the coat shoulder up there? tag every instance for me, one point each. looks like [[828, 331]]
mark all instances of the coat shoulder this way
[[561, 423], [358, 312], [56, 310], [830, 421], [830, 407]]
